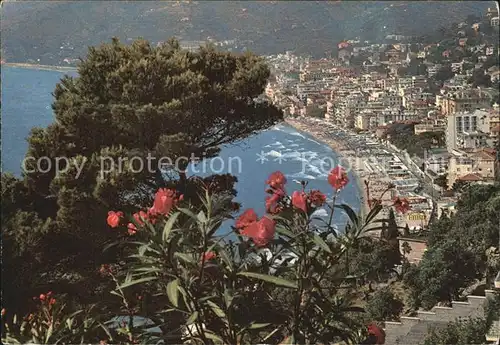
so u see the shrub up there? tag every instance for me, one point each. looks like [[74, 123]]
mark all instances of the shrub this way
[[262, 282]]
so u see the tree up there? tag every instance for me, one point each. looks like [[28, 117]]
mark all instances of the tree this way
[[479, 78], [444, 73], [460, 332], [384, 306], [442, 274], [128, 103], [442, 181]]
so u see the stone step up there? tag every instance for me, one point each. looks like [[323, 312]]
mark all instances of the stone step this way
[[476, 301]]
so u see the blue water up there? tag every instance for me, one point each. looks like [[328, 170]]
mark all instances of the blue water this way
[[27, 99]]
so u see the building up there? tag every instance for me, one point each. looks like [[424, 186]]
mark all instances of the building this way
[[429, 127], [463, 101], [458, 123], [480, 125], [477, 166], [471, 140]]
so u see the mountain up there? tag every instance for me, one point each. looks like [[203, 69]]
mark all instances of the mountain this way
[[51, 30]]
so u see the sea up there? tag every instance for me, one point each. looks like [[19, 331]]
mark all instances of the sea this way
[[26, 100]]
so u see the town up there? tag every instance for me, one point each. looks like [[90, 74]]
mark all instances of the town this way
[[422, 116]]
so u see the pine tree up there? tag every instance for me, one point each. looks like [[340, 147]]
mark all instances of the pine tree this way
[[127, 102]]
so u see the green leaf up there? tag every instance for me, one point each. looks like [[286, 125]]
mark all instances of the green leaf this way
[[214, 337], [188, 212], [218, 311], [184, 257], [283, 231], [228, 298], [270, 279], [192, 318], [201, 217], [137, 281], [258, 325], [168, 226], [173, 292], [350, 213], [321, 243], [373, 213], [225, 257]]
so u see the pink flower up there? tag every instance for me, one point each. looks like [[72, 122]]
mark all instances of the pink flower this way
[[114, 218], [209, 256], [299, 200], [165, 200], [261, 232], [338, 178], [276, 180], [248, 217], [139, 218], [272, 202], [317, 198]]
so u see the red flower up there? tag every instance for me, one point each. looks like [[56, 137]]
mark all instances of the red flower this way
[[52, 301], [105, 269], [165, 199], [272, 202], [299, 200], [42, 297], [401, 204], [376, 332], [209, 256], [276, 180], [338, 178], [248, 217], [260, 232], [114, 218], [317, 198], [132, 229]]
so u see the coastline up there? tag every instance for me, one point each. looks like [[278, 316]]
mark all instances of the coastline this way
[[40, 67], [340, 149]]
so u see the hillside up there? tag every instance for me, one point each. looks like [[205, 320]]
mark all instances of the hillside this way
[[51, 30]]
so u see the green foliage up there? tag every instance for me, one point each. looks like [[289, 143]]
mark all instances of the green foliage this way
[[444, 73], [232, 296], [384, 306], [479, 78], [128, 102], [460, 332], [403, 137], [457, 248], [442, 181]]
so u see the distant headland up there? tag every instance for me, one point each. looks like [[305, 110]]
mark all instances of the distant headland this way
[[40, 67]]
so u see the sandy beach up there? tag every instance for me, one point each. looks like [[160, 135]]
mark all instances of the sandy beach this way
[[377, 182]]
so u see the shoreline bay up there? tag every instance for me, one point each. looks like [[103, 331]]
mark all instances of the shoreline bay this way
[[340, 149]]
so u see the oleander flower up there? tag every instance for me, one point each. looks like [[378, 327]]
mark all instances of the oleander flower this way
[[209, 256], [377, 333], [272, 202], [165, 200], [401, 205], [299, 200], [338, 178], [114, 218], [276, 180], [246, 218], [317, 198], [139, 218], [261, 232]]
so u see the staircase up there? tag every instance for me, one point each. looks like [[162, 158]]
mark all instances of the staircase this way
[[413, 330]]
